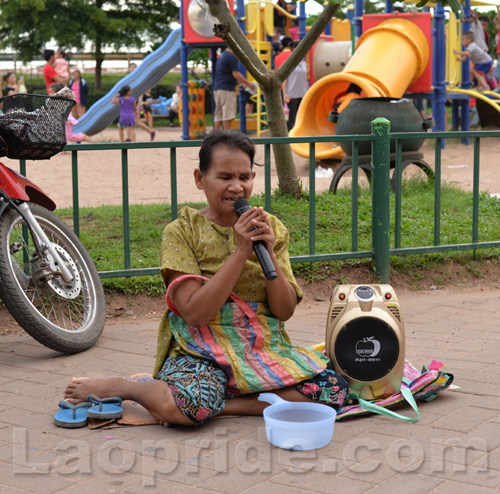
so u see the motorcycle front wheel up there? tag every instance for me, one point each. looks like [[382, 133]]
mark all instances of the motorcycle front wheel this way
[[66, 317]]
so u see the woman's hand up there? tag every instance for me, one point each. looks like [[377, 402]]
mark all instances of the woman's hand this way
[[253, 225]]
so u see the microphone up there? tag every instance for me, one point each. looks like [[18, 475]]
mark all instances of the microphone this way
[[259, 246]]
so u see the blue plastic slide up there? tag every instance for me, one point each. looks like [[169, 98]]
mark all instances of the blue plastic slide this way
[[149, 73]]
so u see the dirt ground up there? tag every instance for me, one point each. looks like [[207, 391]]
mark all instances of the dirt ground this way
[[149, 181]]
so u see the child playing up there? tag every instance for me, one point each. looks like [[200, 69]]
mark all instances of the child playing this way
[[128, 110], [70, 136], [174, 105], [481, 60], [294, 29], [146, 113], [61, 65]]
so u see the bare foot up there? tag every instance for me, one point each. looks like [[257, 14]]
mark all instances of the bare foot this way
[[78, 390], [155, 396]]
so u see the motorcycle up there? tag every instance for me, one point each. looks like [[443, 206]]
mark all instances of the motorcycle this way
[[48, 281]]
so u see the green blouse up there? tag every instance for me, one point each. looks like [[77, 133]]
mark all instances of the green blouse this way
[[192, 244]]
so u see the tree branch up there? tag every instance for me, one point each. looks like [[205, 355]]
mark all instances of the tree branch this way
[[231, 33], [306, 44]]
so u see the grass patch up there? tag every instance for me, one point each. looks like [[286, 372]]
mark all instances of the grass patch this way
[[102, 233]]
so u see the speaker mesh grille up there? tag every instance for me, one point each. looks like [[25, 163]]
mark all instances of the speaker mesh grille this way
[[366, 349]]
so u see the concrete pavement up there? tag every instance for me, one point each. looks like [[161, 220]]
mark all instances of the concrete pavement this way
[[454, 448]]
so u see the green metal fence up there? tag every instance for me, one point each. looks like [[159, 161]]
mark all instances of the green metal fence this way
[[381, 192]]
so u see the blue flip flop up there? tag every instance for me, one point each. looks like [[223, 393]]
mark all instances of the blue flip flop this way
[[72, 416], [105, 408]]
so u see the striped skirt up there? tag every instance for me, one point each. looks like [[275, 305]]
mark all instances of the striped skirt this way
[[250, 346]]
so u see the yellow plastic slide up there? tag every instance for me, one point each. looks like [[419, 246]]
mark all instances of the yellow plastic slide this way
[[387, 60]]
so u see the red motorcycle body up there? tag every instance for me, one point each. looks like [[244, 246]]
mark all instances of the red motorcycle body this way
[[16, 186]]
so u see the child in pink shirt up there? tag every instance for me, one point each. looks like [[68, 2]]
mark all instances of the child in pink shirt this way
[[294, 29], [61, 65], [79, 136]]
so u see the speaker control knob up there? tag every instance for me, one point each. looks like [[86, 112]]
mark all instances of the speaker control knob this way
[[364, 293]]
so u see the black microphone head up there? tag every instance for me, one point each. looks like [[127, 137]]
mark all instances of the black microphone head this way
[[241, 205]]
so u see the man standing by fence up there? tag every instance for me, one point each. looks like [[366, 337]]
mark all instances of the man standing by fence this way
[[227, 75]]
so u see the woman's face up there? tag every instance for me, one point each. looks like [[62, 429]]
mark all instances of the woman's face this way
[[11, 80], [76, 74], [229, 178]]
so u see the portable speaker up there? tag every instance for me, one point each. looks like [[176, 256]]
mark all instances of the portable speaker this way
[[365, 339]]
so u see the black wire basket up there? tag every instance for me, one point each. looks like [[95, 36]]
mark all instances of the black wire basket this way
[[32, 126]]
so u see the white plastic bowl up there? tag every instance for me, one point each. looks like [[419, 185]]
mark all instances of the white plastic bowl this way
[[297, 425]]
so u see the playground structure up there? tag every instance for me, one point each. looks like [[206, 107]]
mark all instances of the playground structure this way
[[396, 55], [391, 59], [102, 113], [196, 111], [195, 32]]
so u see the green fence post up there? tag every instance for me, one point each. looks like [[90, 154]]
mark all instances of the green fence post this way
[[381, 198]]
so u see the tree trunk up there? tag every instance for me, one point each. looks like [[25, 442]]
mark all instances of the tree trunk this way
[[98, 72], [99, 59], [283, 156]]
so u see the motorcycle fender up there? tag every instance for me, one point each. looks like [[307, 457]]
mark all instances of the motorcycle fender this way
[[16, 186]]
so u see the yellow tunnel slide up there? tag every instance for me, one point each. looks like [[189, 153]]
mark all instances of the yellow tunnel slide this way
[[388, 59]]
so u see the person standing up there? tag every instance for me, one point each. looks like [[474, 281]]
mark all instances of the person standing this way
[[279, 60], [294, 89], [128, 111], [10, 81], [294, 30], [49, 73], [485, 23], [496, 21], [80, 88], [151, 131], [279, 17], [227, 75], [477, 30], [286, 43], [174, 105]]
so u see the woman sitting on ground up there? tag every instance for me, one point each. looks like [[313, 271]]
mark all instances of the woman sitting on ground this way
[[223, 341]]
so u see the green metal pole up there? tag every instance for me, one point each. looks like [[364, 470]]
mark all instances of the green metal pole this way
[[381, 198], [173, 182], [312, 198], [398, 200], [475, 193], [267, 172], [126, 211], [437, 192], [355, 197], [76, 199]]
